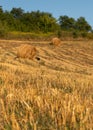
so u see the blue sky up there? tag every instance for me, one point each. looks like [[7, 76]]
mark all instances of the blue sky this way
[[71, 8]]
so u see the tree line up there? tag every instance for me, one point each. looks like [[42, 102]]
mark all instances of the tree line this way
[[35, 21]]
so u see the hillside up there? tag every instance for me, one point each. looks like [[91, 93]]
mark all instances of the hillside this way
[[53, 93]]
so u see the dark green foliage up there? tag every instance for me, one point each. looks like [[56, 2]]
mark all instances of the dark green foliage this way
[[17, 12], [37, 22], [67, 23], [75, 34], [82, 25], [84, 34], [59, 33], [3, 29]]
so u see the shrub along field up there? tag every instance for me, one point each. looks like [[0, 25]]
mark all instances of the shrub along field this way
[[54, 93]]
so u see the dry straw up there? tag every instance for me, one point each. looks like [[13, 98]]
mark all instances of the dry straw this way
[[26, 51], [56, 41]]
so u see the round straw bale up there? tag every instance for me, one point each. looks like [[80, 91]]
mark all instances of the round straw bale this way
[[56, 41], [26, 51]]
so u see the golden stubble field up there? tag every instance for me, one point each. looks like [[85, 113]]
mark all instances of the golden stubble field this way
[[55, 93]]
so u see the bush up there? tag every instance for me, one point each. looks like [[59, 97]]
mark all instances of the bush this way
[[84, 34], [3, 30], [75, 34]]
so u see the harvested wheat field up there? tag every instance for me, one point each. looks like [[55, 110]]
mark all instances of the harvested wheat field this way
[[53, 93]]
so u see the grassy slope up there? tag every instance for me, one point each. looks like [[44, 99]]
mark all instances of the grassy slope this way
[[53, 93]]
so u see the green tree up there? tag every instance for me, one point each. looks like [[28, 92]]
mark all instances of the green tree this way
[[82, 25], [48, 23], [17, 12], [1, 10], [1, 13], [66, 23], [39, 21]]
